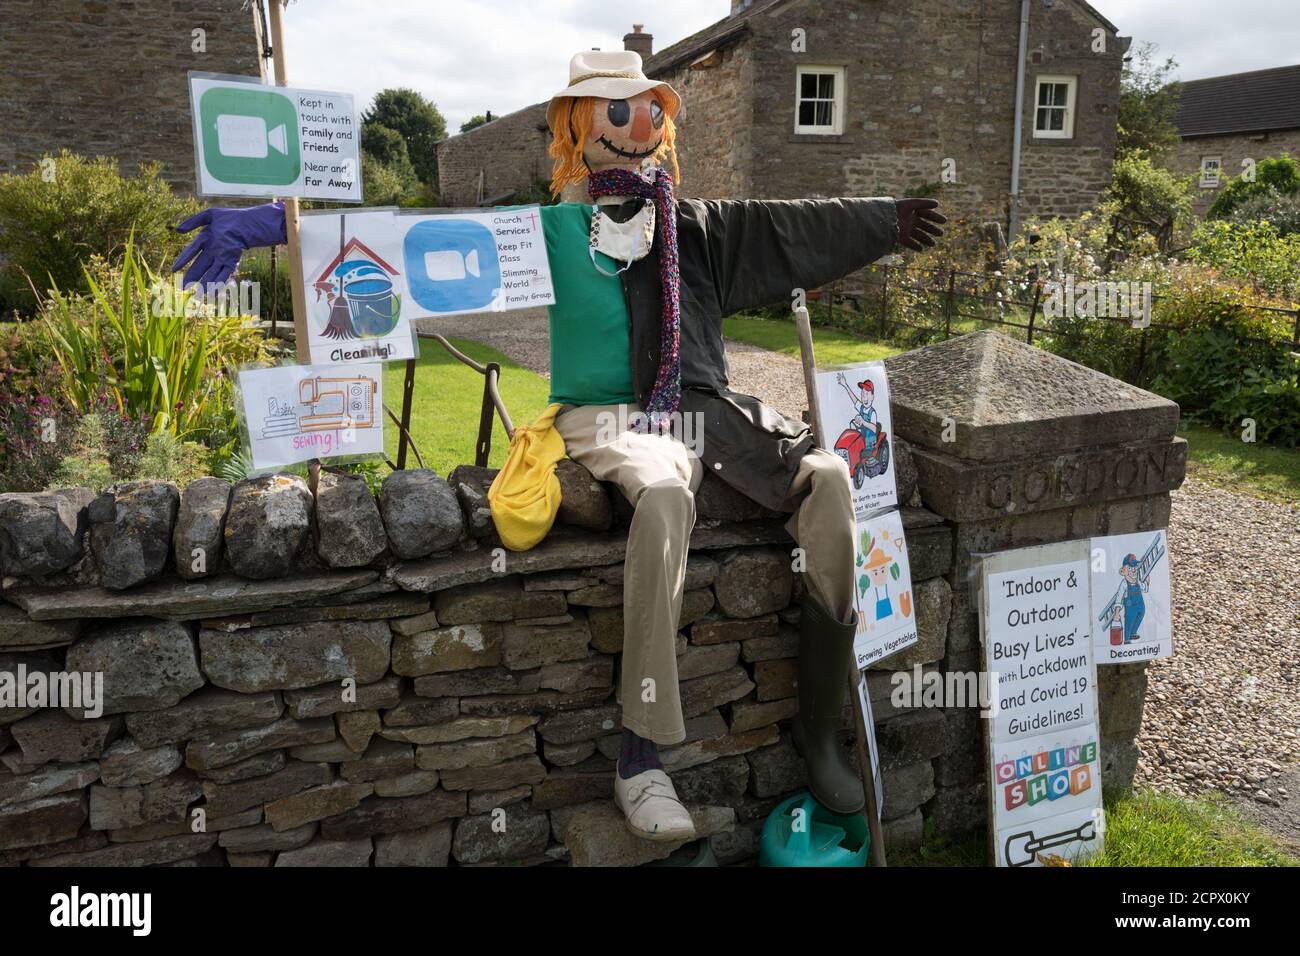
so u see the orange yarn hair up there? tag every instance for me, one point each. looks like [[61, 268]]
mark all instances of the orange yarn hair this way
[[573, 118]]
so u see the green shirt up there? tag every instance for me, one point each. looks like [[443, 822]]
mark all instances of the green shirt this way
[[590, 359]]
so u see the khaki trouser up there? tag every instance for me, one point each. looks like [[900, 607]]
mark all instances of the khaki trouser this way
[[659, 476]]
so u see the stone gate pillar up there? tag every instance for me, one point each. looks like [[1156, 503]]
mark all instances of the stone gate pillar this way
[[1015, 446]]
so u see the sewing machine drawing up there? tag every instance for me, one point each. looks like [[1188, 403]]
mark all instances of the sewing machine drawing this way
[[337, 403]]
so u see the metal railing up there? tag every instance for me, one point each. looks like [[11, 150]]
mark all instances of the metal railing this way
[[491, 403], [955, 297]]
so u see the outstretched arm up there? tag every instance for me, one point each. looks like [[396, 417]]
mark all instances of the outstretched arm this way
[[214, 253], [761, 250]]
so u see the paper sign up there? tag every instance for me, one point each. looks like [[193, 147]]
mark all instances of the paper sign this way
[[1072, 836], [251, 139], [295, 413], [1131, 598], [1043, 738], [869, 721], [474, 262], [883, 589], [854, 422], [357, 307]]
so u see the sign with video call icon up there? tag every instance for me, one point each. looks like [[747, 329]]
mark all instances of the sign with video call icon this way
[[251, 139]]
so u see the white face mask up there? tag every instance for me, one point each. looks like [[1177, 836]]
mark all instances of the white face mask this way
[[624, 242]]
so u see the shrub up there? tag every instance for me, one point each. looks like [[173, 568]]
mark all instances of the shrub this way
[[1220, 380], [1278, 174], [1144, 200], [159, 352], [1280, 211], [1255, 253], [69, 209]]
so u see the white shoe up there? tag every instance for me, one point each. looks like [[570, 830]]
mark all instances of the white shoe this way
[[652, 808]]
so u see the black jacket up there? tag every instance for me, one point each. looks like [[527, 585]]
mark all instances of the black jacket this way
[[737, 255]]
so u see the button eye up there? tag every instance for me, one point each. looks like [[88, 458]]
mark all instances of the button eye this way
[[656, 114], [619, 112]]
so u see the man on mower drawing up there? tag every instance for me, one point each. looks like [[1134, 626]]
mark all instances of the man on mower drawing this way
[[642, 281]]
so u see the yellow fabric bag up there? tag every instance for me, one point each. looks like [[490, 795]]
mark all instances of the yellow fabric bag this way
[[525, 495]]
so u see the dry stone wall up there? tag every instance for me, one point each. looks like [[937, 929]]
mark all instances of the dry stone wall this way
[[301, 673]]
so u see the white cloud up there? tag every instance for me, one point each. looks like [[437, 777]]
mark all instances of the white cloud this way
[[473, 55], [1210, 37], [466, 56]]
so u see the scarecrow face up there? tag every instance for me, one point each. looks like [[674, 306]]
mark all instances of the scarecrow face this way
[[624, 132]]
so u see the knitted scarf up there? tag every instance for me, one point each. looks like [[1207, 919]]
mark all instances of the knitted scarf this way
[[666, 394]]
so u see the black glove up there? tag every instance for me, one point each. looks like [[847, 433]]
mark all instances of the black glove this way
[[918, 223]]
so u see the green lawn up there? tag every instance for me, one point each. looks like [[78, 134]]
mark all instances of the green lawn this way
[[1263, 471], [1152, 829], [448, 395], [832, 346], [1146, 829]]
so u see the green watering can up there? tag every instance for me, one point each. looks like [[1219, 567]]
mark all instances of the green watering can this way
[[801, 832]]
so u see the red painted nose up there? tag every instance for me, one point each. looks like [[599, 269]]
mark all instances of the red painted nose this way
[[642, 127]]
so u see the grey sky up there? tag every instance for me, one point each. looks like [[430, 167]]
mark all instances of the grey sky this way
[[472, 55]]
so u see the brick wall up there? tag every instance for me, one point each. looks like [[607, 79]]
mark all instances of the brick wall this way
[[1186, 157], [109, 78], [930, 81], [510, 152], [716, 125]]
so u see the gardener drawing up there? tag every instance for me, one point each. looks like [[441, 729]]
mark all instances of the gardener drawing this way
[[642, 281], [865, 422], [877, 570], [1135, 607]]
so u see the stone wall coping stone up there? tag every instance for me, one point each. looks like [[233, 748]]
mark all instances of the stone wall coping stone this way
[[1006, 398]]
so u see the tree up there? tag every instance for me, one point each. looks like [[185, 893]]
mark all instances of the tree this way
[[1144, 199], [474, 122], [419, 123], [384, 145], [1148, 104]]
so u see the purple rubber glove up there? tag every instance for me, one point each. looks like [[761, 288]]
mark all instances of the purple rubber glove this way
[[214, 254]]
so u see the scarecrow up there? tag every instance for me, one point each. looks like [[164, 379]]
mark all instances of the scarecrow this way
[[642, 281]]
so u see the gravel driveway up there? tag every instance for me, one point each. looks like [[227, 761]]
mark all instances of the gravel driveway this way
[[1224, 712]]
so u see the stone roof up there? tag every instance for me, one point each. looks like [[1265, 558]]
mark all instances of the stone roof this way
[[1253, 102]]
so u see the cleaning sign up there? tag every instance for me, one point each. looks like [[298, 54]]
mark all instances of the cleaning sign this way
[[256, 140]]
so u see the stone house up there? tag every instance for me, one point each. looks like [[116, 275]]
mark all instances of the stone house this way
[[109, 79], [792, 98], [1223, 121]]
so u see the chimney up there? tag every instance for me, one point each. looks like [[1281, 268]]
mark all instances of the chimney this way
[[738, 6], [638, 42]]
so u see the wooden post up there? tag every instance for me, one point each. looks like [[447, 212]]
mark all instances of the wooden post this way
[[291, 224], [884, 306], [950, 305], [864, 756], [1033, 311]]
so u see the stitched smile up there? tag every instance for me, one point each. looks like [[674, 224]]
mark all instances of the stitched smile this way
[[627, 154]]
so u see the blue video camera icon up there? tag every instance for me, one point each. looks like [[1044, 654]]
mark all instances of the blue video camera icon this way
[[451, 265]]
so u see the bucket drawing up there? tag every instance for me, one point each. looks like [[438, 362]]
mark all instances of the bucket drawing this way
[[370, 300]]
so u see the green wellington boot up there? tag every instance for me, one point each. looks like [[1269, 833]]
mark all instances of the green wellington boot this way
[[825, 656]]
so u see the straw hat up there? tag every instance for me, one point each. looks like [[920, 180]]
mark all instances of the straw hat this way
[[877, 559], [610, 75]]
